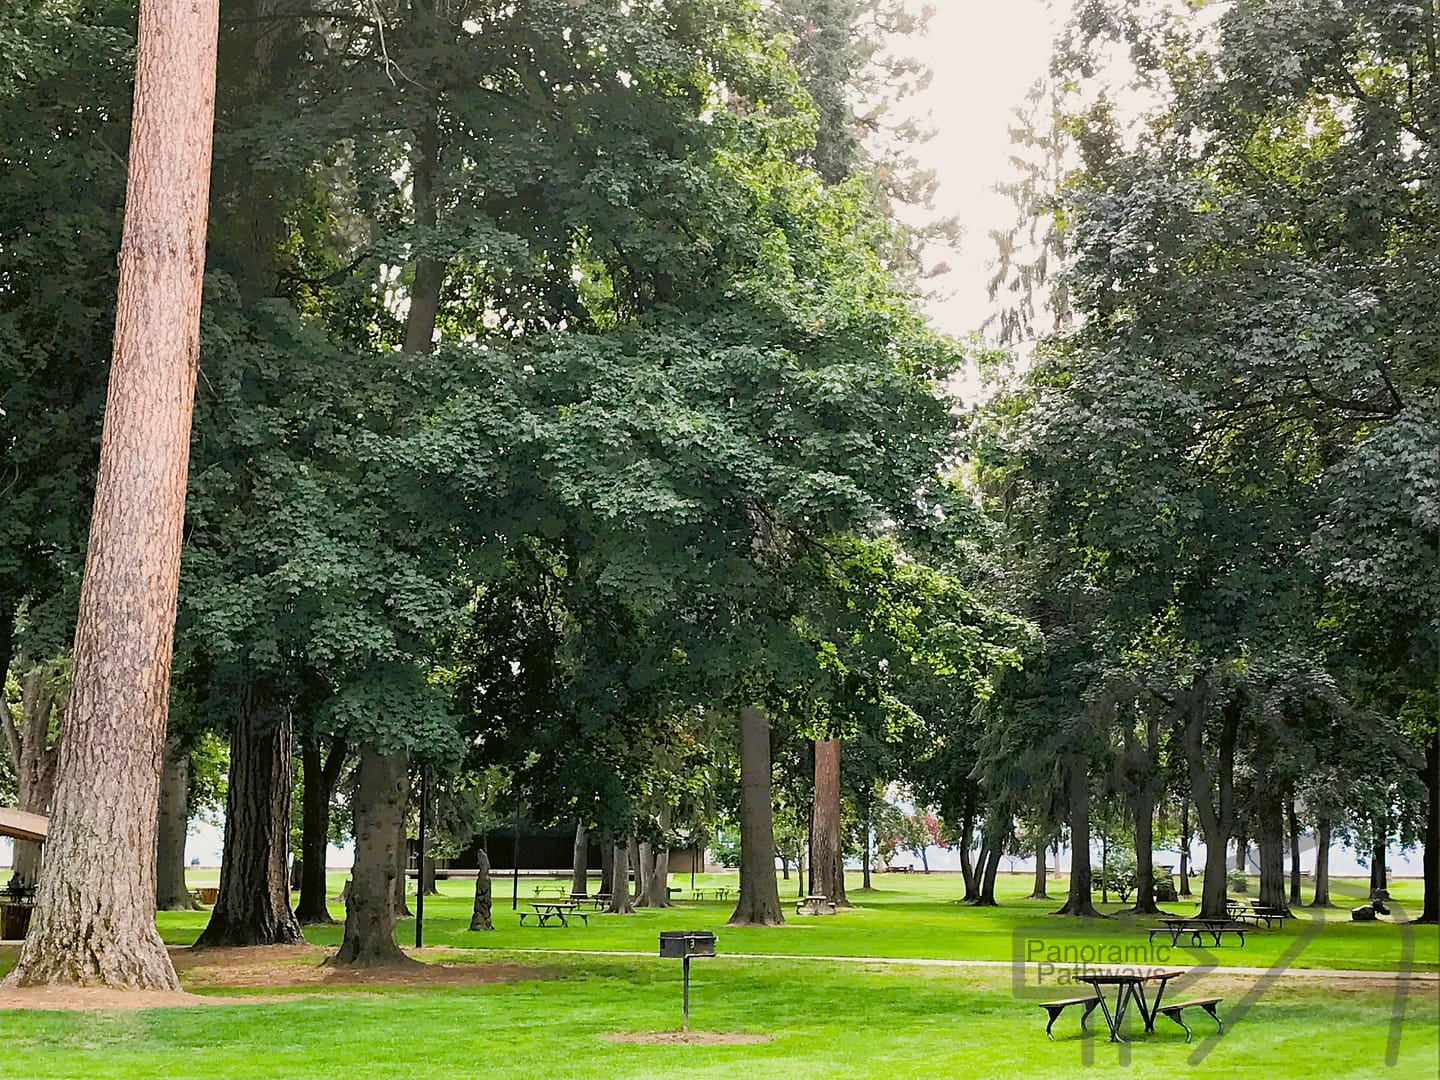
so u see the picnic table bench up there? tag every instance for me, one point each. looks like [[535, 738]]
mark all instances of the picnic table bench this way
[[546, 912], [1197, 928], [815, 905], [1055, 1008], [1175, 1010], [1242, 910], [716, 892], [1130, 987]]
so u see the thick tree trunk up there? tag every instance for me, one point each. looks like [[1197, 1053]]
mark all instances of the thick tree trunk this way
[[1039, 891], [382, 783], [1079, 902], [94, 921], [620, 884], [826, 857], [1144, 807], [1213, 799], [580, 862], [253, 906], [1321, 898], [607, 864], [171, 893], [659, 888], [1430, 866], [989, 868], [967, 868], [759, 903], [316, 794], [480, 913], [1294, 822], [1270, 833], [1379, 872], [644, 859]]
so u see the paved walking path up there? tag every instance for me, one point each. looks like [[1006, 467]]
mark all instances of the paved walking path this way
[[920, 961]]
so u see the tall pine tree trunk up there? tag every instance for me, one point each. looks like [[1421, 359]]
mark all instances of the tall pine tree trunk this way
[[1077, 789], [382, 782], [580, 862], [826, 856], [759, 903], [320, 773], [171, 893], [94, 921], [253, 905]]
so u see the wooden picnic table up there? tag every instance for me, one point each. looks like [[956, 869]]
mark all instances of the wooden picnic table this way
[[815, 905], [547, 911], [1241, 910], [715, 892], [551, 888], [1129, 986]]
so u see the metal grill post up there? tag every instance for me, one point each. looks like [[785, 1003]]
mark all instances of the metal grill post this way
[[685, 997]]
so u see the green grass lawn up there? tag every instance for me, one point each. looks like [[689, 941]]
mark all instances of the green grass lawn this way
[[909, 916], [830, 1019]]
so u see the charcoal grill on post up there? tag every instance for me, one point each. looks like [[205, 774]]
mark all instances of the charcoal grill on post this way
[[683, 944]]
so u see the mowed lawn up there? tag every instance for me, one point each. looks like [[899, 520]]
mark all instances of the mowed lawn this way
[[824, 1018]]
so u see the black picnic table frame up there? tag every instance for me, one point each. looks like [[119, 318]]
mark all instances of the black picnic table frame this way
[[1131, 987], [1196, 928], [544, 911]]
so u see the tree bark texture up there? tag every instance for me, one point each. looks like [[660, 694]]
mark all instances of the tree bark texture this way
[[607, 864], [382, 783], [253, 904], [1213, 796], [1379, 872], [995, 851], [1322, 866], [580, 863], [759, 902], [319, 775], [1077, 787], [967, 868], [171, 894], [620, 880], [827, 857], [34, 753], [94, 921], [643, 856], [480, 913], [1143, 804], [1270, 833], [1039, 891]]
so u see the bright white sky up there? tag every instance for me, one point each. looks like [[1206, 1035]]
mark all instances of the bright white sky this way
[[985, 54]]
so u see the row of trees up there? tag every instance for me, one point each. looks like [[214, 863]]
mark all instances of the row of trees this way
[[565, 430]]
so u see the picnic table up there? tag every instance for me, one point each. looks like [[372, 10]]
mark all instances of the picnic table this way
[[1197, 928], [1129, 986], [815, 905], [547, 911], [1241, 910], [717, 892], [551, 888]]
